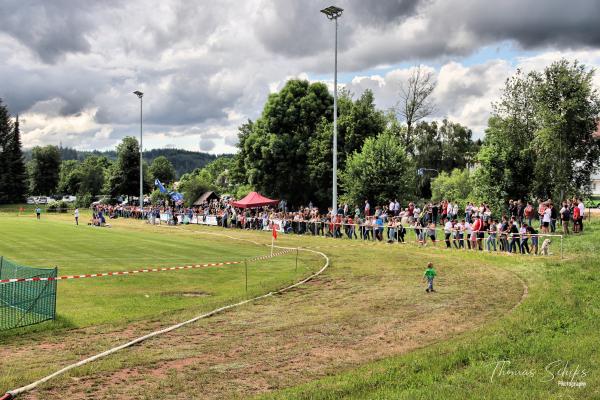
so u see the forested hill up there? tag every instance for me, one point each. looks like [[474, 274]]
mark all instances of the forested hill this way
[[183, 160]]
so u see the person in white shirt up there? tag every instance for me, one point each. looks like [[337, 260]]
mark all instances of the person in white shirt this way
[[467, 233], [546, 219], [448, 227], [581, 207], [396, 208], [76, 214], [416, 213]]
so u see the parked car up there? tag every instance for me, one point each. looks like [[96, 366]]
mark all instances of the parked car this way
[[41, 200], [31, 200], [69, 199]]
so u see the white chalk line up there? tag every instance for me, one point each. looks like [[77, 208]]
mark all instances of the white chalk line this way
[[12, 393]]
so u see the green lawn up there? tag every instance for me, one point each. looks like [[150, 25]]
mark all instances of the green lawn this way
[[553, 336], [364, 329], [56, 241]]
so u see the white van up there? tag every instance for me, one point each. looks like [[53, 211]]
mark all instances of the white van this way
[[69, 199]]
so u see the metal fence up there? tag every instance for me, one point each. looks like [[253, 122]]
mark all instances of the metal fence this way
[[26, 303]]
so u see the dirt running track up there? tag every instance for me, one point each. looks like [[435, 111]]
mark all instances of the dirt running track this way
[[350, 315]]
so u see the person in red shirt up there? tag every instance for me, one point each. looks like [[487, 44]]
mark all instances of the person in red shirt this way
[[528, 212], [576, 217], [477, 234]]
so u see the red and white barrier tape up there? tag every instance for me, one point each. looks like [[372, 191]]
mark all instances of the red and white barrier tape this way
[[120, 273], [11, 394]]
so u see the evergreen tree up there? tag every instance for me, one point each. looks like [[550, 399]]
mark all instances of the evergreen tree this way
[[5, 132], [16, 180], [125, 172]]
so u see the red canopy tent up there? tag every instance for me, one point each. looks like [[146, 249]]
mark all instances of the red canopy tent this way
[[254, 199]]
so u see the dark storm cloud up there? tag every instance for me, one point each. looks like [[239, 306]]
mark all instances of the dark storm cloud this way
[[371, 33], [211, 64], [50, 28], [299, 29], [533, 23], [380, 12], [76, 88]]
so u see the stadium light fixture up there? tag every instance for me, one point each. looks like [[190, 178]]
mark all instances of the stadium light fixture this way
[[333, 13], [141, 199]]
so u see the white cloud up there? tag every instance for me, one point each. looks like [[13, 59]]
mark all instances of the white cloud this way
[[206, 68]]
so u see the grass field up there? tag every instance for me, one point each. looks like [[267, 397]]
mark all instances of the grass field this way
[[55, 241], [365, 329]]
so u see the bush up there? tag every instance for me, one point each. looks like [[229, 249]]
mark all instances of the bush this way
[[243, 190], [157, 197], [57, 206], [457, 186], [83, 200], [192, 186]]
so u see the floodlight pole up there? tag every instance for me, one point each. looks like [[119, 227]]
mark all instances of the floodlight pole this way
[[334, 13], [141, 200], [335, 209]]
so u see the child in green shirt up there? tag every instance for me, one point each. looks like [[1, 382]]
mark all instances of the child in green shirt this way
[[429, 275]]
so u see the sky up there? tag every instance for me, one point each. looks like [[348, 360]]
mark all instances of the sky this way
[[69, 67]]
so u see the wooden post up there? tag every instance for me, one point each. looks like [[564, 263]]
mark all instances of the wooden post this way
[[561, 247], [297, 250], [246, 273]]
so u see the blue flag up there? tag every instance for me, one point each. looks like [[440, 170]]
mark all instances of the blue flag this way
[[176, 196], [160, 186]]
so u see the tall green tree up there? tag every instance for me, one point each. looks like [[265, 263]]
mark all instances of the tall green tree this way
[[567, 109], [17, 174], [162, 169], [506, 159], [93, 171], [220, 171], [69, 177], [539, 139], [381, 171], [125, 172], [275, 153], [237, 173], [442, 147], [13, 176], [5, 129], [44, 170], [358, 120]]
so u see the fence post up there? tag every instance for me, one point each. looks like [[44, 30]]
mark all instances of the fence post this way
[[1, 264], [561, 247], [246, 273], [296, 270]]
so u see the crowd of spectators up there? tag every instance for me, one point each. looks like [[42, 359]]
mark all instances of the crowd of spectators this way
[[471, 227]]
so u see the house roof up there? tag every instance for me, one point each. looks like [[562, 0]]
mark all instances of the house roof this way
[[205, 197]]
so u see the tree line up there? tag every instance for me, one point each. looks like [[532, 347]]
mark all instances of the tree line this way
[[538, 144]]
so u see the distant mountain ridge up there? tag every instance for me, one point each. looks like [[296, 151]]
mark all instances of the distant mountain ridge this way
[[183, 160]]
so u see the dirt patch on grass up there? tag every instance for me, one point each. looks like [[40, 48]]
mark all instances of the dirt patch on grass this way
[[348, 317], [186, 294]]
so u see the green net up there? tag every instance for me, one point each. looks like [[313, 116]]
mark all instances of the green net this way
[[27, 302]]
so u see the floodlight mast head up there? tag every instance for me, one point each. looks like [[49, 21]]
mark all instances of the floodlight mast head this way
[[138, 94], [332, 12]]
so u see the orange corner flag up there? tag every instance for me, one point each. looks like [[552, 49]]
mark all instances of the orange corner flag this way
[[274, 232]]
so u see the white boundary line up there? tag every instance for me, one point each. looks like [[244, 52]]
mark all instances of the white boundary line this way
[[15, 392]]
